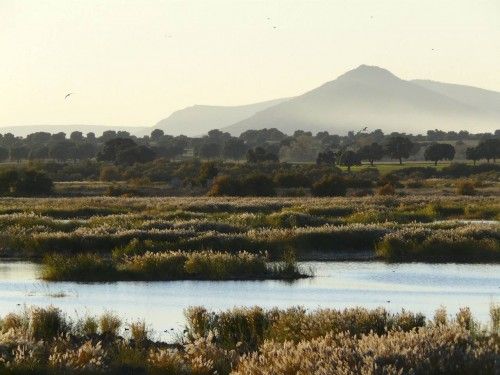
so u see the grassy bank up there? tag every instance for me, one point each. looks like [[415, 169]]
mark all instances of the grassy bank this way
[[252, 341], [170, 265]]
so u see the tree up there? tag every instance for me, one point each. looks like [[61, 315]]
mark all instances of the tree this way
[[439, 151], [39, 153], [134, 154], [234, 148], [85, 150], [18, 153], [76, 136], [349, 158], [326, 158], [63, 150], [302, 148], [489, 149], [259, 155], [59, 137], [472, 153], [113, 146], [371, 152], [157, 134], [91, 137], [4, 154], [399, 147], [210, 150], [38, 137]]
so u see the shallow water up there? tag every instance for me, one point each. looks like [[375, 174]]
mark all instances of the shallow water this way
[[416, 287]]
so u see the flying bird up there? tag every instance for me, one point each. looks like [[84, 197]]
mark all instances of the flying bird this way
[[67, 95]]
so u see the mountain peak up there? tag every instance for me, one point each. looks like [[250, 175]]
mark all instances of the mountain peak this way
[[368, 73]]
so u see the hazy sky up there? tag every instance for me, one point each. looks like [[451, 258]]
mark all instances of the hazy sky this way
[[134, 62]]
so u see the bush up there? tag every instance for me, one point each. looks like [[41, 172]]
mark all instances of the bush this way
[[329, 186], [225, 186], [110, 173], [292, 180], [387, 189], [465, 188], [24, 182]]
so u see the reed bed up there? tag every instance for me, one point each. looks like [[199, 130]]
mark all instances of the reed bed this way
[[169, 265], [36, 227], [351, 341], [465, 244]]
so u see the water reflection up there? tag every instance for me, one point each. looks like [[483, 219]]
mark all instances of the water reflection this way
[[415, 287]]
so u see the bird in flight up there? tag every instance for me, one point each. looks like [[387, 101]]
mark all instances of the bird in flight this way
[[67, 95]]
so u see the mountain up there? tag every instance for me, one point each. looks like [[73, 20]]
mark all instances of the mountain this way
[[199, 119], [374, 97], [24, 130], [485, 100]]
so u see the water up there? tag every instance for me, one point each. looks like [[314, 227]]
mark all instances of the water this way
[[416, 287]]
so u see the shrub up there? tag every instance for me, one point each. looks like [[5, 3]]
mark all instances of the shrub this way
[[466, 188], [292, 180], [387, 189], [328, 186], [258, 185], [110, 173], [225, 185], [24, 182]]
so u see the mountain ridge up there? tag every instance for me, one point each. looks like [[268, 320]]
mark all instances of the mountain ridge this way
[[374, 97]]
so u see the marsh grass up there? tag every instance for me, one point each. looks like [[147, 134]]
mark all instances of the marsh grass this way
[[169, 265], [81, 267], [251, 341], [132, 226], [252, 326], [462, 244]]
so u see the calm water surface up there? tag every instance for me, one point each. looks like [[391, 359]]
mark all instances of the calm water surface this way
[[416, 286]]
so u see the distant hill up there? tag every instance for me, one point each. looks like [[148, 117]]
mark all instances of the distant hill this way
[[68, 129], [482, 99], [374, 97], [199, 119]]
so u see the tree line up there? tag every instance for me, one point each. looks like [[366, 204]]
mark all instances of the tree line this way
[[254, 146]]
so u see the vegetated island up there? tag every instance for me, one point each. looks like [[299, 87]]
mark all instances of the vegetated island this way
[[170, 265]]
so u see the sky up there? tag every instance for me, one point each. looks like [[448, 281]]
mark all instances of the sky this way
[[133, 62]]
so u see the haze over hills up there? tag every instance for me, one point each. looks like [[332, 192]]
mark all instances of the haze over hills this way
[[199, 119], [366, 96], [374, 97], [480, 98]]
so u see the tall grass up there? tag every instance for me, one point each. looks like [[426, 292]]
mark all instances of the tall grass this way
[[251, 341], [81, 267], [169, 265], [463, 244], [132, 226]]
